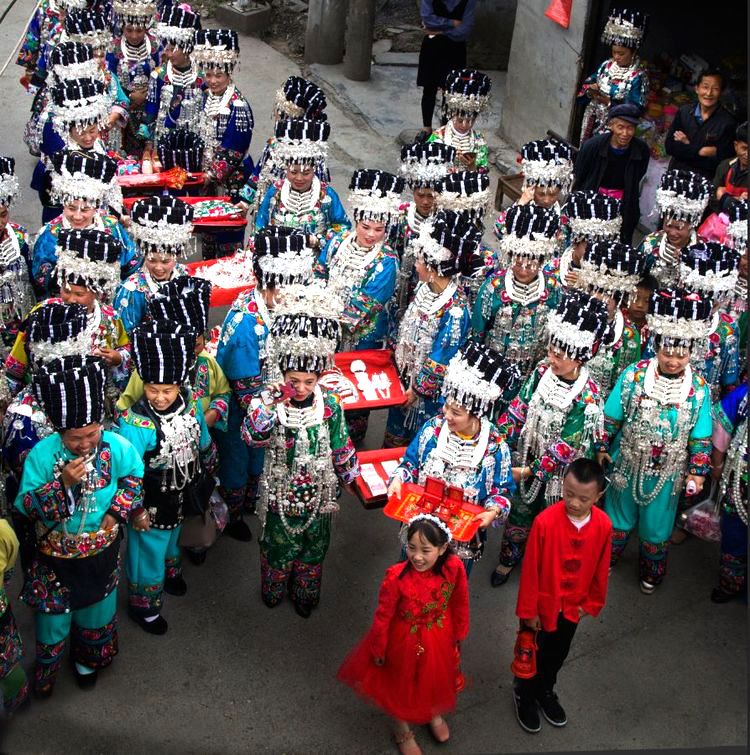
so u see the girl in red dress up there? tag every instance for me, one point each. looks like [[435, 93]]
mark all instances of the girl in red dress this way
[[406, 664]]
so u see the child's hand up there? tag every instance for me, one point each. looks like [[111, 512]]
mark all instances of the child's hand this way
[[581, 612], [602, 457], [379, 661], [534, 623]]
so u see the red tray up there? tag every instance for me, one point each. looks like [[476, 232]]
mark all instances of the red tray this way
[[376, 361], [218, 221], [220, 297], [370, 501], [457, 513]]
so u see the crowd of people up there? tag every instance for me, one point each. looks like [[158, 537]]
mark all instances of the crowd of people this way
[[576, 383]]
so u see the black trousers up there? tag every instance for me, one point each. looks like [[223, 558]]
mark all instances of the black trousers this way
[[553, 650]]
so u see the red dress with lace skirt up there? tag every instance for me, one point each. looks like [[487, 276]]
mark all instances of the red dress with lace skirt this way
[[419, 619]]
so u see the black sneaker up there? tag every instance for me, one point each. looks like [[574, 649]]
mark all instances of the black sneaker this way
[[238, 530], [303, 609], [197, 558], [527, 713], [551, 709], [175, 586]]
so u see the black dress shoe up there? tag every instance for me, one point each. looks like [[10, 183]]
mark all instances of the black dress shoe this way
[[196, 557], [85, 681], [175, 586], [303, 609], [238, 530], [498, 579], [551, 709], [44, 692], [719, 596], [157, 626]]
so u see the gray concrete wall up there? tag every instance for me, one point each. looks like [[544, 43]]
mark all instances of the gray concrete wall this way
[[543, 72], [489, 46]]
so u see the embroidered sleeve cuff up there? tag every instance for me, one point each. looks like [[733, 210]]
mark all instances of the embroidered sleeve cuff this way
[[210, 458], [129, 496], [501, 504], [346, 463], [429, 379], [257, 426], [49, 502], [700, 457]]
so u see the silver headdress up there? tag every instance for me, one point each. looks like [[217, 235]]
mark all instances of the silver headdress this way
[[683, 195], [678, 318], [547, 163], [624, 27], [477, 378]]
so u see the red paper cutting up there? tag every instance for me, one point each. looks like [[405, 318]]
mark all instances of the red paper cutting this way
[[559, 11]]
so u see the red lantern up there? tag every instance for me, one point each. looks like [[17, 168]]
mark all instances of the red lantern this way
[[524, 654], [559, 12]]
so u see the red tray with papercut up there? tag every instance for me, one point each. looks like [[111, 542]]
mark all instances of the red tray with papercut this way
[[220, 297], [376, 387], [446, 502], [227, 220], [376, 458]]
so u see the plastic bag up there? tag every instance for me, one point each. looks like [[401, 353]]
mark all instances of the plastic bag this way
[[218, 510], [714, 227], [703, 521]]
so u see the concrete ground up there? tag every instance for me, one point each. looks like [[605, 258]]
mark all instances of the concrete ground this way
[[663, 671]]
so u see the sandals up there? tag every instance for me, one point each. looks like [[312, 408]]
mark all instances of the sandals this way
[[407, 744], [439, 730]]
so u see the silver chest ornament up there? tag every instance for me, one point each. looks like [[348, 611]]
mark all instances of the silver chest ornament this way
[[655, 435]]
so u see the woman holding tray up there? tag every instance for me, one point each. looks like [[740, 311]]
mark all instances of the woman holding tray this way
[[436, 322], [281, 258], [461, 446]]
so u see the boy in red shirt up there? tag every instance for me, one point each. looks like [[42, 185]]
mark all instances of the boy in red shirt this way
[[564, 577]]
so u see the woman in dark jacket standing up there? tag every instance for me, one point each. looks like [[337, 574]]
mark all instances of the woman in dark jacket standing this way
[[448, 25]]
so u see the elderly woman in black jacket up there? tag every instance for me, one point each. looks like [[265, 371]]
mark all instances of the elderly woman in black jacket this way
[[614, 163]]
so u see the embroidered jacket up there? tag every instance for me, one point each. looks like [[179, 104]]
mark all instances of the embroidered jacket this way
[[164, 109], [16, 292], [261, 421], [729, 430], [613, 357], [45, 25], [515, 329], [24, 425], [227, 135], [209, 386], [132, 297], [69, 525], [576, 436], [363, 318], [487, 483], [44, 256], [634, 423], [243, 344], [325, 217], [108, 333]]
